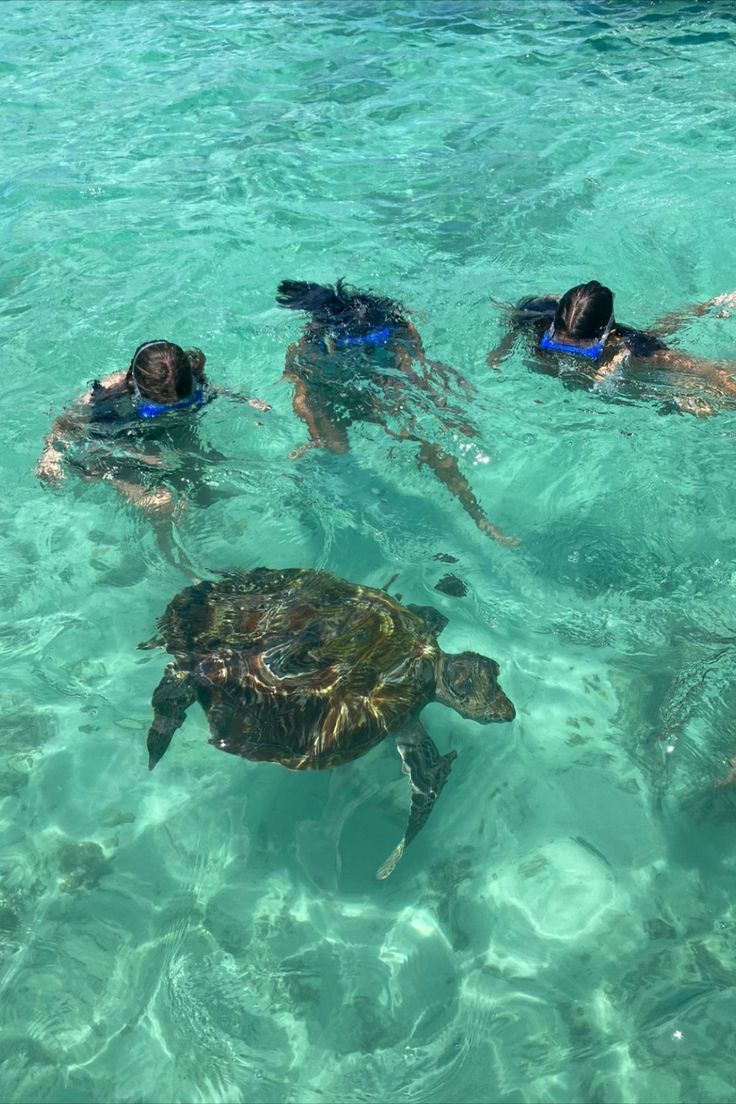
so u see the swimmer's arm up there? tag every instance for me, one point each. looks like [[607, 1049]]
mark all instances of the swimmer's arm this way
[[671, 323], [197, 359], [237, 396], [497, 355], [718, 374]]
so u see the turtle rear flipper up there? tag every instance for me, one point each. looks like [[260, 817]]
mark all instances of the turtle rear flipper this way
[[171, 699], [427, 771]]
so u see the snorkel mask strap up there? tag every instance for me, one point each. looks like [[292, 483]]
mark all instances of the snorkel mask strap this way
[[141, 349]]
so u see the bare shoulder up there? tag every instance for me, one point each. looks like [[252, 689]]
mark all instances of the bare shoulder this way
[[114, 380], [113, 385]]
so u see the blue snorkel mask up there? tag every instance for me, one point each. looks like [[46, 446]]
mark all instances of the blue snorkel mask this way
[[154, 410], [146, 409], [591, 352], [355, 341]]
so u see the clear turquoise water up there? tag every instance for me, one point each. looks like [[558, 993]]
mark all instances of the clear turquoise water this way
[[213, 931]]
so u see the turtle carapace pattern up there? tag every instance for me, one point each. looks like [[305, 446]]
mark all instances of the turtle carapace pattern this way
[[302, 668]]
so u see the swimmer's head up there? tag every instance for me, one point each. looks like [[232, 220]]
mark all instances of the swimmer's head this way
[[584, 311], [340, 307], [165, 373]]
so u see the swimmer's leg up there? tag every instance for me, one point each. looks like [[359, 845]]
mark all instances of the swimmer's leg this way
[[154, 500], [445, 468], [717, 374], [325, 430]]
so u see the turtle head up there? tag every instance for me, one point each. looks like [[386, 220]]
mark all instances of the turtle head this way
[[468, 683]]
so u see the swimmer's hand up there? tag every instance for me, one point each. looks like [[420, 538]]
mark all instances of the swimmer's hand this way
[[726, 302], [49, 467], [297, 453], [238, 396], [694, 404]]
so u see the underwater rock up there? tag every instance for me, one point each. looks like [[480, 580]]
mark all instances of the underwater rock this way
[[452, 585], [83, 863]]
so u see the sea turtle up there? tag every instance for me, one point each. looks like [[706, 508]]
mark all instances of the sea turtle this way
[[302, 668]]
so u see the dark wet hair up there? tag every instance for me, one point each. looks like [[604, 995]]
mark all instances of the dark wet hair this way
[[584, 311], [340, 306], [164, 371]]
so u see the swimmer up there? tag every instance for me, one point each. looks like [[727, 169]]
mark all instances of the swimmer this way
[[131, 422], [360, 359], [578, 339]]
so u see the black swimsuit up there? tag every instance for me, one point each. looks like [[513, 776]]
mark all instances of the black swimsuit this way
[[115, 420], [635, 342]]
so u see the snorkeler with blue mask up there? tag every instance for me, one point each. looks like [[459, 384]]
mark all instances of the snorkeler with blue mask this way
[[578, 325], [132, 422], [592, 350], [360, 359], [174, 380], [578, 339]]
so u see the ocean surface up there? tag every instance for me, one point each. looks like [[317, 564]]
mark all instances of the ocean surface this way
[[564, 927]]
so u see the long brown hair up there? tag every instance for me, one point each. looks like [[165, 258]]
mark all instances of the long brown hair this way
[[163, 371], [340, 306], [585, 310]]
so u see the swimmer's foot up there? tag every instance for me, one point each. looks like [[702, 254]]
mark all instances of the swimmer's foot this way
[[691, 404], [297, 453], [730, 779], [491, 531], [336, 444], [49, 468], [727, 302]]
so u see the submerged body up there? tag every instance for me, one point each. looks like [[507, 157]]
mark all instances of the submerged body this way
[[360, 359], [304, 669], [577, 339], [137, 429]]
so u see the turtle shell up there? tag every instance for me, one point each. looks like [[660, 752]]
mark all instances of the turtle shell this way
[[299, 666]]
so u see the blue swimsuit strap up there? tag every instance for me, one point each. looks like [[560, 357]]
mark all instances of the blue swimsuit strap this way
[[548, 342], [354, 341], [154, 410]]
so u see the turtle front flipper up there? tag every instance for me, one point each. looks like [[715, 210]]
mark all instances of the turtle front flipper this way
[[427, 771], [171, 699]]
